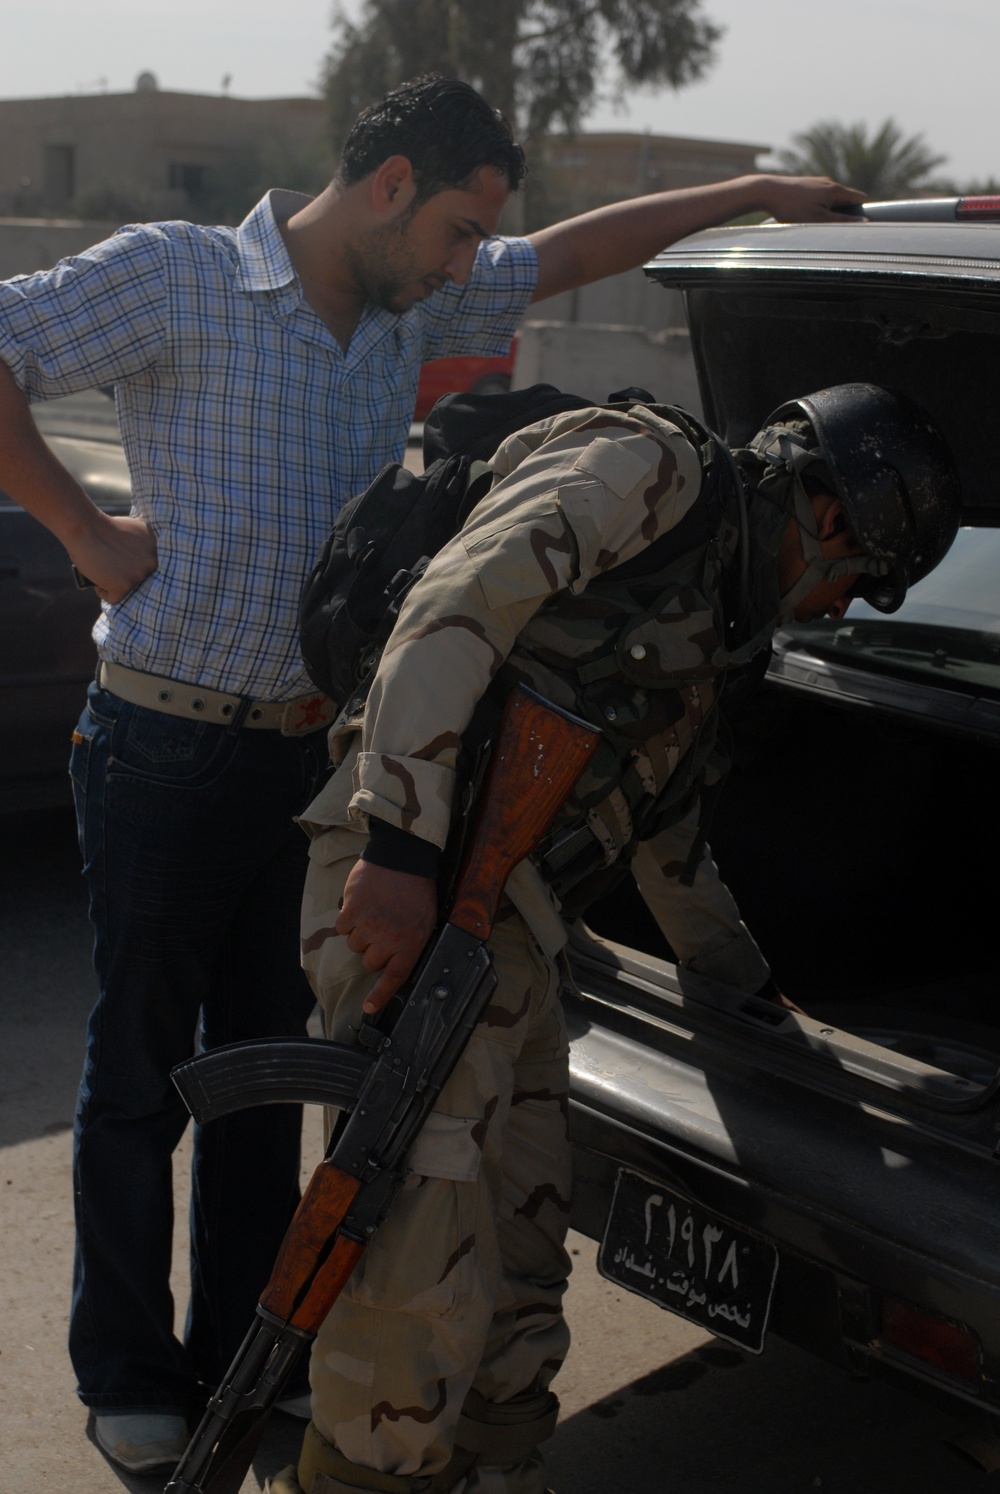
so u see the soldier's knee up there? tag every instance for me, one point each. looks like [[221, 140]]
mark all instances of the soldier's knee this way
[[323, 1469], [504, 1437], [489, 1435]]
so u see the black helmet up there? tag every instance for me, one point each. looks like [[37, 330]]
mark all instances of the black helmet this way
[[890, 468]]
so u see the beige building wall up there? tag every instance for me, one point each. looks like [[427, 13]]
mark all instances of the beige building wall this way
[[577, 172], [54, 151]]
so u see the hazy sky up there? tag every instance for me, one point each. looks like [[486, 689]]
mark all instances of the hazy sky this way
[[784, 64]]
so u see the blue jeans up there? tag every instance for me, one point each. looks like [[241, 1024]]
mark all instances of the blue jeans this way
[[194, 869]]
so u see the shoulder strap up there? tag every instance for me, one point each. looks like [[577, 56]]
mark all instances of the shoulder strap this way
[[717, 464]]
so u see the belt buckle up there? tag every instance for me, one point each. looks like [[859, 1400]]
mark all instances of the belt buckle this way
[[308, 713]]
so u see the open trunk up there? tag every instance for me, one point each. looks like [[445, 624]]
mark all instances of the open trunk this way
[[861, 848]]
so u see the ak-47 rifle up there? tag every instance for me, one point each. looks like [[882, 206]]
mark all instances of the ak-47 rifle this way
[[386, 1091]]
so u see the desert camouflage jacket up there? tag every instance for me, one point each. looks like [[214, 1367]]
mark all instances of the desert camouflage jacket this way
[[526, 586]]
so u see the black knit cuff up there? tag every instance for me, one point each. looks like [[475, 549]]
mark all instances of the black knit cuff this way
[[399, 850]]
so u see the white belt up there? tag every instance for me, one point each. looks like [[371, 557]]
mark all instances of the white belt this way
[[293, 718]]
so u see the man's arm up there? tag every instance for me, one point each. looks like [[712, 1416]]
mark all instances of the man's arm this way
[[623, 235], [701, 923], [93, 320], [116, 552]]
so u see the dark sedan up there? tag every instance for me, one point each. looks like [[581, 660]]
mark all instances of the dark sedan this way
[[831, 1177]]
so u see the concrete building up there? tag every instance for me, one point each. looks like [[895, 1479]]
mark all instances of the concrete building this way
[[166, 153], [170, 151]]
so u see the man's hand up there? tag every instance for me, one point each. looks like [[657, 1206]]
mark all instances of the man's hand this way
[[806, 199], [387, 917], [115, 553]]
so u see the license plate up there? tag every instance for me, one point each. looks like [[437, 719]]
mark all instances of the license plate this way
[[662, 1246]]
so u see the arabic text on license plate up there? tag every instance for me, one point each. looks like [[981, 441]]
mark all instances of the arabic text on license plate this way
[[659, 1244]]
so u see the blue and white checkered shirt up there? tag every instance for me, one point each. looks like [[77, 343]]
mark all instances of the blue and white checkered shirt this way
[[245, 424]]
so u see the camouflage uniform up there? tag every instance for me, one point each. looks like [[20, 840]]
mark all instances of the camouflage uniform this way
[[435, 1363]]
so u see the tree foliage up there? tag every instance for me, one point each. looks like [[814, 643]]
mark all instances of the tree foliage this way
[[976, 186], [115, 200], [883, 165], [233, 185], [540, 61]]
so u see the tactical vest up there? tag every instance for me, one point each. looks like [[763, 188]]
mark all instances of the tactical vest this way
[[645, 652]]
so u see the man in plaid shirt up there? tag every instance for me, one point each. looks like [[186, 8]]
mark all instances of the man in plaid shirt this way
[[262, 376]]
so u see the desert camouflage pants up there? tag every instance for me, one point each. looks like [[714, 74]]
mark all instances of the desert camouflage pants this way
[[439, 1353]]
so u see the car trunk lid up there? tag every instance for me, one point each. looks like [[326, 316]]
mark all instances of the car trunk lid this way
[[781, 310]]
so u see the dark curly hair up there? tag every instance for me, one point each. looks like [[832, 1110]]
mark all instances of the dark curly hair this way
[[446, 130]]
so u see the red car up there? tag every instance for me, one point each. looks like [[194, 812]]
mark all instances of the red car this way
[[461, 375]]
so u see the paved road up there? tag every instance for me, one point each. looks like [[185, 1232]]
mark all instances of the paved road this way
[[649, 1404]]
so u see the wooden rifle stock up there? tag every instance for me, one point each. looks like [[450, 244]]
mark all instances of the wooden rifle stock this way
[[539, 756], [308, 1275]]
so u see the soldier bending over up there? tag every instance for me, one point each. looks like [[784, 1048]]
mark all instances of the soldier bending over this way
[[626, 569]]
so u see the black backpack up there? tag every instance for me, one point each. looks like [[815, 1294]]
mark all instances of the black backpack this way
[[384, 538]]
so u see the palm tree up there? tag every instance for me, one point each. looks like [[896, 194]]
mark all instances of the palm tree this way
[[886, 165]]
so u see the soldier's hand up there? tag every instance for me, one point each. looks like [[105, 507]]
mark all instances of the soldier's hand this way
[[387, 918]]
